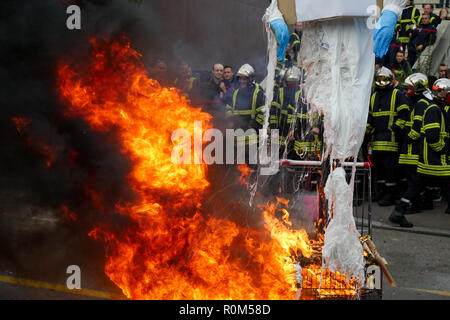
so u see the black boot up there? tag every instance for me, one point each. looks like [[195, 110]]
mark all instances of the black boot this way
[[389, 197], [414, 207], [397, 217]]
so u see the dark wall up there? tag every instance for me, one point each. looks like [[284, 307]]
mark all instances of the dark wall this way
[[207, 31]]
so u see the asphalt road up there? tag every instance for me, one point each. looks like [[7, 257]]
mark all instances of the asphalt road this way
[[37, 249]]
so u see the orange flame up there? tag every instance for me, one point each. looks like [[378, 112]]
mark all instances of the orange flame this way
[[174, 250]]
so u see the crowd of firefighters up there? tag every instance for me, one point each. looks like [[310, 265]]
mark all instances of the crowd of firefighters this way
[[408, 125]]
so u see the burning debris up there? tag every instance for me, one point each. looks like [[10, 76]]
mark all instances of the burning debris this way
[[160, 241], [173, 249]]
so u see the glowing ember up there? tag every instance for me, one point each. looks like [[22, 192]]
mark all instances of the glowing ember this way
[[245, 173], [173, 250]]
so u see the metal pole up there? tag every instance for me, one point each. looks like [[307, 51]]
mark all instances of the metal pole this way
[[287, 162]]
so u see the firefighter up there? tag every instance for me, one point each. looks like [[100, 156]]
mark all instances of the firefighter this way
[[282, 118], [417, 86], [185, 82], [308, 133], [283, 108], [244, 108], [408, 20], [433, 164], [435, 20], [388, 114], [296, 38], [422, 36]]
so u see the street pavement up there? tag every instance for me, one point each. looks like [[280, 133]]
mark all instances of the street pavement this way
[[418, 257], [37, 249], [433, 222]]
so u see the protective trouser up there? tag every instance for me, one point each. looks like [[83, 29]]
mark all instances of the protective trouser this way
[[420, 182]]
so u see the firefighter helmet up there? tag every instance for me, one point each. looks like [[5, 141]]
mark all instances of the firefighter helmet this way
[[293, 74], [384, 78], [418, 81], [441, 89], [246, 71]]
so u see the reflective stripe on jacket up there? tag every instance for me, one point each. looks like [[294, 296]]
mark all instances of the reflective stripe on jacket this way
[[388, 115], [433, 160]]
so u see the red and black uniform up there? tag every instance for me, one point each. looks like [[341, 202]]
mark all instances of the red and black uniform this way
[[425, 35], [394, 47], [435, 20]]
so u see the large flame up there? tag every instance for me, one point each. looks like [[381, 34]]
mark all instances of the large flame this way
[[174, 250]]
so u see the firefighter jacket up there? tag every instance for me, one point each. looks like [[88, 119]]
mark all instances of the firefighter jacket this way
[[435, 20], [409, 150], [424, 35], [295, 41], [244, 107], [409, 17], [433, 158], [447, 129], [282, 111], [186, 85], [307, 144], [388, 115]]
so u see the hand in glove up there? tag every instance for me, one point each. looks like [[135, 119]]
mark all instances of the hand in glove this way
[[384, 32], [281, 31]]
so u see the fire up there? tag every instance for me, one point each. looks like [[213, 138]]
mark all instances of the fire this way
[[39, 146], [173, 250], [245, 173]]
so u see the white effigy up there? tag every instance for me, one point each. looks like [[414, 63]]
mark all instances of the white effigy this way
[[337, 53]]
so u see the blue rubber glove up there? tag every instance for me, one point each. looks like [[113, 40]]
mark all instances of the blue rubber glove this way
[[384, 32], [281, 31]]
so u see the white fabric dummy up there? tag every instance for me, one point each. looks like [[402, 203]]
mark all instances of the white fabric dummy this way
[[337, 54]]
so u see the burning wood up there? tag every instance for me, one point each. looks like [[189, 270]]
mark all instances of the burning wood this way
[[172, 249]]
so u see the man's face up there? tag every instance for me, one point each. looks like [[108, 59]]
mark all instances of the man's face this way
[[185, 70], [160, 68], [427, 9], [291, 84], [298, 26], [442, 71], [218, 71], [243, 82], [399, 57], [425, 19], [227, 74], [410, 91]]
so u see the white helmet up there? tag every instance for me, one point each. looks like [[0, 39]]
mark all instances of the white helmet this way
[[441, 89], [246, 71], [293, 74]]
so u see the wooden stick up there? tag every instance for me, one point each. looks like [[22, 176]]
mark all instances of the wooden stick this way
[[372, 250]]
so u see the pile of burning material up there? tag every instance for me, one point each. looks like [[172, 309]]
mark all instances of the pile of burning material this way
[[318, 283], [170, 248]]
